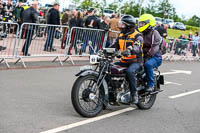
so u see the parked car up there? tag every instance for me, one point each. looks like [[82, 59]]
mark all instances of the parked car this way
[[158, 20], [170, 22], [179, 25], [108, 12]]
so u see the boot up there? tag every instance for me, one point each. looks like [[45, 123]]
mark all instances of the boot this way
[[134, 99], [149, 89]]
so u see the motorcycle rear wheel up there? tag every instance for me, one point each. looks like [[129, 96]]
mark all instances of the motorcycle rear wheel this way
[[147, 101]]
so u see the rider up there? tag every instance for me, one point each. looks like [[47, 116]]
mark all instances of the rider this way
[[151, 48], [130, 44]]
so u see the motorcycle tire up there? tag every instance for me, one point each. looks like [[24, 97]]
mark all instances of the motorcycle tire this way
[[151, 101], [75, 97]]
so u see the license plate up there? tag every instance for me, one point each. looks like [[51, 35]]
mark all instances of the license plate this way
[[85, 68]]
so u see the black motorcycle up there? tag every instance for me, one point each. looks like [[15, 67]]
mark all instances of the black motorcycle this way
[[107, 83]]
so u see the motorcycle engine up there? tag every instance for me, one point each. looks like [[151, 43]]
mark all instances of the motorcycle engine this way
[[121, 86]]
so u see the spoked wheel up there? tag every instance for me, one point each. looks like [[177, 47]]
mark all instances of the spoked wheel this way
[[87, 100], [147, 100]]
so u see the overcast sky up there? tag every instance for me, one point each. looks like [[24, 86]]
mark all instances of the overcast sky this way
[[188, 8]]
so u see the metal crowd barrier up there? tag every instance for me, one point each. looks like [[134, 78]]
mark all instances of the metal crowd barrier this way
[[85, 41], [41, 40], [181, 49], [8, 40]]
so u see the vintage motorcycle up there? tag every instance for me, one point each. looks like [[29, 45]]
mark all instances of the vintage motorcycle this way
[[107, 83]]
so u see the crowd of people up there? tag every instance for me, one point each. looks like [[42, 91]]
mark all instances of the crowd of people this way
[[184, 44], [80, 18]]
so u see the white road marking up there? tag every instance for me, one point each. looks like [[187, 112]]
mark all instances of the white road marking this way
[[173, 83], [177, 72], [73, 125], [184, 94]]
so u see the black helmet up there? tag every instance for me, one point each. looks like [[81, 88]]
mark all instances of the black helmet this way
[[128, 20]]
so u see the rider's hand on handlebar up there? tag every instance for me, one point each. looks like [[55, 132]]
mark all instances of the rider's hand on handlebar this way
[[126, 52], [118, 54]]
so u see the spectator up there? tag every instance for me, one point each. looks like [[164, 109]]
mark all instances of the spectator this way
[[105, 25], [112, 16], [65, 21], [79, 19], [2, 13], [162, 29], [190, 39], [9, 7], [73, 21], [30, 15], [66, 17], [85, 14], [195, 43], [181, 45], [52, 19], [92, 21], [190, 36], [114, 27], [18, 13], [2, 9]]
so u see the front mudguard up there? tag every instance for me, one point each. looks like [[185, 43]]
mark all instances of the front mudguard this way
[[104, 83]]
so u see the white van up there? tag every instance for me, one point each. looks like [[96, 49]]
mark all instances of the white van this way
[[108, 12]]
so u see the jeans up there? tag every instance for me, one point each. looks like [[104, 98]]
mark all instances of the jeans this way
[[29, 36], [51, 34], [131, 74], [149, 66], [194, 50]]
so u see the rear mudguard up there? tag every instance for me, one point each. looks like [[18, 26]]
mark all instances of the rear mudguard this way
[[104, 83]]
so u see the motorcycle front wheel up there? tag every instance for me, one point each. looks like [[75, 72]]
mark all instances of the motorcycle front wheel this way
[[85, 101]]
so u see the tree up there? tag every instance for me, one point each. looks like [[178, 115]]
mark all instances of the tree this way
[[194, 21], [86, 4], [76, 2], [132, 8], [165, 9], [113, 6], [56, 1], [152, 8]]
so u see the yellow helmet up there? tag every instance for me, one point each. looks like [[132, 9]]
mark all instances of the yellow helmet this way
[[146, 21]]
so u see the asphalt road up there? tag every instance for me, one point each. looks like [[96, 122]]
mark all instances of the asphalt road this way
[[36, 100]]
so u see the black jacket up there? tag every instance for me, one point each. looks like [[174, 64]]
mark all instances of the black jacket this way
[[53, 17], [95, 24], [76, 22], [30, 15], [104, 26], [161, 30]]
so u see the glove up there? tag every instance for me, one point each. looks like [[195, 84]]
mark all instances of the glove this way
[[118, 54], [126, 53]]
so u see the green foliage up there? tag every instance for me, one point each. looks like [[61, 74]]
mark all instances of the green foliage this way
[[194, 21], [158, 8], [131, 8], [86, 4], [113, 6], [192, 28], [76, 1], [176, 33]]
